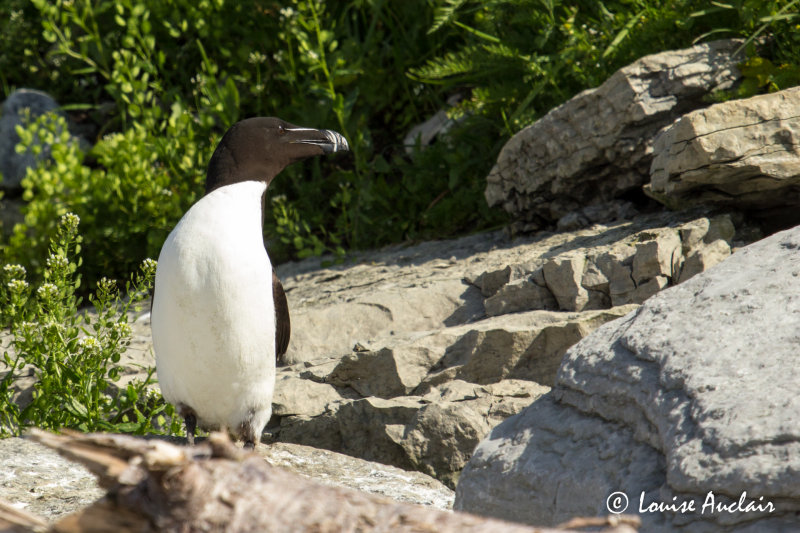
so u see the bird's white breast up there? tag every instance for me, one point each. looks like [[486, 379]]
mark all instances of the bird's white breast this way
[[213, 317]]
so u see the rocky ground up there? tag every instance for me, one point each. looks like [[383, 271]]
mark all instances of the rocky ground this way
[[405, 358], [624, 348]]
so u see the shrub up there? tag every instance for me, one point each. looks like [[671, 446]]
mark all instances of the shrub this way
[[129, 189], [74, 356], [164, 79]]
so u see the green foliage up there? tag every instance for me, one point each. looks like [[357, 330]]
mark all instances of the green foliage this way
[[22, 56], [163, 79], [74, 356], [762, 75], [129, 190], [523, 57]]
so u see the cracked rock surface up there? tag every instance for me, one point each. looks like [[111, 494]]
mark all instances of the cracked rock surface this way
[[447, 339], [694, 393], [740, 153], [408, 356]]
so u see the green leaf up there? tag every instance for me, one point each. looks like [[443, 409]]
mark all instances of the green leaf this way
[[76, 408], [127, 427]]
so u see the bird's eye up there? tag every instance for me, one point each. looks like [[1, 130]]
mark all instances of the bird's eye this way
[[281, 129]]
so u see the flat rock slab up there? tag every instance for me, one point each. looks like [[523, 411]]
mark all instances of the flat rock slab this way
[[38, 480], [694, 394], [341, 470], [740, 153]]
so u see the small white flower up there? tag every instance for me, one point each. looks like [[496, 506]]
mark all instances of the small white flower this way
[[47, 291], [149, 264], [14, 271], [90, 344], [57, 261], [50, 325], [17, 285], [26, 328], [121, 329], [71, 219], [256, 57], [287, 12], [106, 284]]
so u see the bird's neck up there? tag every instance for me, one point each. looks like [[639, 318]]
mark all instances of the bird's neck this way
[[224, 169]]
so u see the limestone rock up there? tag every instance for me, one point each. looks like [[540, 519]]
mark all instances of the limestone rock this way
[[419, 399], [297, 396], [691, 395], [435, 432], [369, 316], [491, 281], [704, 258], [563, 277], [659, 255], [440, 438], [641, 260], [592, 214], [706, 230], [336, 469], [616, 265], [742, 153], [384, 373], [38, 480], [522, 345], [486, 371], [596, 146], [522, 295], [548, 463], [377, 303]]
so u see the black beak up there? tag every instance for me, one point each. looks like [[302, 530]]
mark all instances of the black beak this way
[[329, 140]]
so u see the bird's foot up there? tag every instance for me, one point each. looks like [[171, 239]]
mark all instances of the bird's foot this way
[[190, 420]]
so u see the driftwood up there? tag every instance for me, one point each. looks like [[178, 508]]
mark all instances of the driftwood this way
[[156, 486], [13, 520]]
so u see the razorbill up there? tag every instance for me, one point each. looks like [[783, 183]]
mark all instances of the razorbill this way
[[219, 316]]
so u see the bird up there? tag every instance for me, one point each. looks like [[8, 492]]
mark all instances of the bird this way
[[219, 315]]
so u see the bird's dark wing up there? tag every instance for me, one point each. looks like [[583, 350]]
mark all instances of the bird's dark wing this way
[[283, 327]]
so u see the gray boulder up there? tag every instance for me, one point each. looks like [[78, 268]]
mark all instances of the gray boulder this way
[[741, 153], [596, 146], [691, 399], [20, 107]]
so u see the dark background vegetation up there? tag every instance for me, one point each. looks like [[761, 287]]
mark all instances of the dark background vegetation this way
[[157, 82]]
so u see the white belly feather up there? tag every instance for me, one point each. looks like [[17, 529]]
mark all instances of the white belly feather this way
[[213, 317]]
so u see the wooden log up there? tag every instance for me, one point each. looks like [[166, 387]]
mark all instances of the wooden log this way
[[157, 486]]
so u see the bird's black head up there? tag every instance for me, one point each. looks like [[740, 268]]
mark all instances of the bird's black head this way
[[257, 149]]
